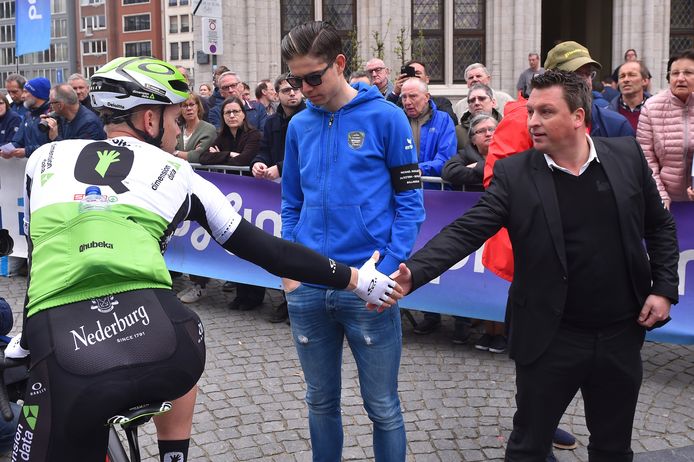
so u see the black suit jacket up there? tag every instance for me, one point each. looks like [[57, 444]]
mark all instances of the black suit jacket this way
[[522, 198]]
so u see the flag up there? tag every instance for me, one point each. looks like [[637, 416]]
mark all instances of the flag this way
[[33, 25]]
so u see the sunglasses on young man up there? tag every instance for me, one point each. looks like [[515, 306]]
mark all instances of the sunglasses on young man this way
[[313, 79]]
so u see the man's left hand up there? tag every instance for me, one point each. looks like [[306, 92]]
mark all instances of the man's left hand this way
[[272, 173], [655, 309]]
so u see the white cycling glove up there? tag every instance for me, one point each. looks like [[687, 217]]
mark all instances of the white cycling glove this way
[[373, 286], [14, 350]]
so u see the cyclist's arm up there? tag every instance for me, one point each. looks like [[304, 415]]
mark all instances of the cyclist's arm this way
[[212, 210]]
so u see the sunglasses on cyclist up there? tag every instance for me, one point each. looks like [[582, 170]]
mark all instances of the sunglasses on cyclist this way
[[313, 79]]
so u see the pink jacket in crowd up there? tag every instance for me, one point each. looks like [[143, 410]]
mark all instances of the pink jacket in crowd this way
[[666, 134]]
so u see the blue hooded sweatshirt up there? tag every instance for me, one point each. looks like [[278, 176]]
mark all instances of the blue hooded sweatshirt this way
[[337, 194]]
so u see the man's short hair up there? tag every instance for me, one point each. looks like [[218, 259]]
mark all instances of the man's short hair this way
[[475, 66], [421, 84], [481, 86], [278, 81], [226, 73], [318, 39], [246, 86], [77, 76], [574, 88], [360, 75], [20, 79], [530, 55], [221, 70], [261, 87], [64, 93]]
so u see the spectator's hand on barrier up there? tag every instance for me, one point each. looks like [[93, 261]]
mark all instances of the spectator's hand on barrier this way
[[656, 308], [233, 154], [690, 193], [272, 173], [258, 170], [377, 289], [214, 149]]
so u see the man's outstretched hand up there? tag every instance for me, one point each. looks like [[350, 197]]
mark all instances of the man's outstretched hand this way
[[403, 279]]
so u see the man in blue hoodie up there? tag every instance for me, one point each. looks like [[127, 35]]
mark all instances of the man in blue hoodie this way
[[350, 185]]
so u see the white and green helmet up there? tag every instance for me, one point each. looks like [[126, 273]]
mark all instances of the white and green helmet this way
[[125, 83]]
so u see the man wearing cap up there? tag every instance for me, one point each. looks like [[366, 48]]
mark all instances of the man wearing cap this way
[[29, 138]]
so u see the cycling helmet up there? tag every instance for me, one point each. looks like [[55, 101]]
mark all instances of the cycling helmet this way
[[125, 83]]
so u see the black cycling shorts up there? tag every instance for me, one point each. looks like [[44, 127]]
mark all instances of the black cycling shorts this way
[[95, 358]]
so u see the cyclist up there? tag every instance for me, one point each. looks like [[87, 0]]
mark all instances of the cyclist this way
[[104, 328]]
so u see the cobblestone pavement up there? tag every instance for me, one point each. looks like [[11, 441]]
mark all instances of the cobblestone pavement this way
[[458, 402]]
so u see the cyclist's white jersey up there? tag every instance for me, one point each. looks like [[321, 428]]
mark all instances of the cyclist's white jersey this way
[[81, 256]]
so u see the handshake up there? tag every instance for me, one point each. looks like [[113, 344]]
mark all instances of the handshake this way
[[375, 288]]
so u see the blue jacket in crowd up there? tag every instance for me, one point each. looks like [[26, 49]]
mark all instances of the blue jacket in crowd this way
[[85, 126], [437, 142], [337, 194], [19, 108], [9, 125], [605, 122], [29, 136]]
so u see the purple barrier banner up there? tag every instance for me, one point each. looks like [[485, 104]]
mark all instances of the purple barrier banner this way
[[467, 289]]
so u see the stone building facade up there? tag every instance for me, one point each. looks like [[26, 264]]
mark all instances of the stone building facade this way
[[454, 33]]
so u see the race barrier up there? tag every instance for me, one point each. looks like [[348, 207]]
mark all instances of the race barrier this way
[[467, 289]]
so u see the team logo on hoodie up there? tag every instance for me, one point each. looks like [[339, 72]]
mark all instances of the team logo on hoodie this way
[[355, 139]]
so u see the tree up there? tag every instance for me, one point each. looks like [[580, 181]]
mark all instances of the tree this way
[[353, 45]]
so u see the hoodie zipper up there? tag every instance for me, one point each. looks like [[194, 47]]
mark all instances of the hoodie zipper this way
[[326, 177]]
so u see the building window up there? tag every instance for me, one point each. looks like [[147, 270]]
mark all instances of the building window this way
[[342, 15], [681, 25], [134, 2], [58, 6], [138, 49], [428, 36], [292, 14], [185, 23], [88, 71], [7, 33], [428, 43], [173, 24], [7, 10], [468, 36], [59, 28], [93, 22], [7, 56], [91, 2], [136, 22], [94, 47], [185, 50], [183, 2], [173, 2], [173, 51]]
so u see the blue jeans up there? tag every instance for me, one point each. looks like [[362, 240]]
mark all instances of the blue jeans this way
[[320, 319]]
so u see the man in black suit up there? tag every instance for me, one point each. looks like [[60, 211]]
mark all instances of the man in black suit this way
[[585, 288]]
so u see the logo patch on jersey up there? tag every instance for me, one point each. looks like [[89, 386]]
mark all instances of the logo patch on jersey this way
[[103, 164], [45, 177], [31, 413], [104, 304], [106, 158], [355, 139]]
